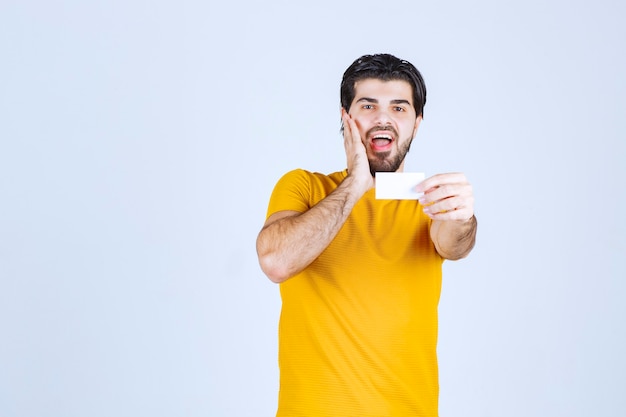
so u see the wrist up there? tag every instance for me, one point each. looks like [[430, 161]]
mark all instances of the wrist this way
[[360, 183]]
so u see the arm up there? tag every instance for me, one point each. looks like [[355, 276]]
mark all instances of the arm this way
[[290, 241], [454, 239], [448, 200]]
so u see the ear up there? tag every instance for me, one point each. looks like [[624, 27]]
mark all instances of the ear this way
[[418, 120]]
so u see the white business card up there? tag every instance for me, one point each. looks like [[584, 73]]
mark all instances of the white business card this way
[[398, 185]]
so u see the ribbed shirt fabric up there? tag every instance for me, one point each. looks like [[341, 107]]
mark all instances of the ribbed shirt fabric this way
[[358, 327]]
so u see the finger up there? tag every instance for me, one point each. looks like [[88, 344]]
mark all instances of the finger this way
[[460, 214], [439, 180], [446, 191], [449, 204], [352, 130], [355, 150]]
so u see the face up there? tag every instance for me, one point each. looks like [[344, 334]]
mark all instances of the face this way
[[387, 122]]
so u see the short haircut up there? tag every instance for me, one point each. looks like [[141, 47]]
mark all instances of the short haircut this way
[[383, 67]]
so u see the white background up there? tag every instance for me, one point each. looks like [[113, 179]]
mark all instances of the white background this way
[[139, 143]]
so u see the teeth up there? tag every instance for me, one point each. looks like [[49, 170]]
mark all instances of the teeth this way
[[383, 137]]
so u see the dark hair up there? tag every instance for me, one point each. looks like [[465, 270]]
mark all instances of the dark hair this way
[[384, 67]]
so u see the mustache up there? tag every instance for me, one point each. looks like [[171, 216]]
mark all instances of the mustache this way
[[382, 129]]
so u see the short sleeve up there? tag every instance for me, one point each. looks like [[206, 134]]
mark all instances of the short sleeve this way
[[291, 192]]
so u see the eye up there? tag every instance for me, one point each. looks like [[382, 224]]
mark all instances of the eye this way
[[368, 106], [398, 108]]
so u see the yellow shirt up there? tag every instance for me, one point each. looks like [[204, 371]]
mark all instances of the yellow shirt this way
[[358, 327]]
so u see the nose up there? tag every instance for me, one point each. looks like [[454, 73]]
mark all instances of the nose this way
[[382, 117]]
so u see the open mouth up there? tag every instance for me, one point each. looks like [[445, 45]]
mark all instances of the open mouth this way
[[381, 141]]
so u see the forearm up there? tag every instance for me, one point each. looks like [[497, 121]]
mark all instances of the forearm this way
[[288, 245], [454, 239]]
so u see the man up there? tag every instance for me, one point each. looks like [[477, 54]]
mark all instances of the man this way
[[360, 277]]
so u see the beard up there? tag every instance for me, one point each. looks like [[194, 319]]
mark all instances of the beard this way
[[384, 162]]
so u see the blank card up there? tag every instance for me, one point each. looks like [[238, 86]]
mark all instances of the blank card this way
[[398, 185]]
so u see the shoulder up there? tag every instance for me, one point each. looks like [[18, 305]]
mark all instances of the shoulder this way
[[299, 189], [304, 177]]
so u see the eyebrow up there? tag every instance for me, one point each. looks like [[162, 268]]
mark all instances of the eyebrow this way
[[373, 100]]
